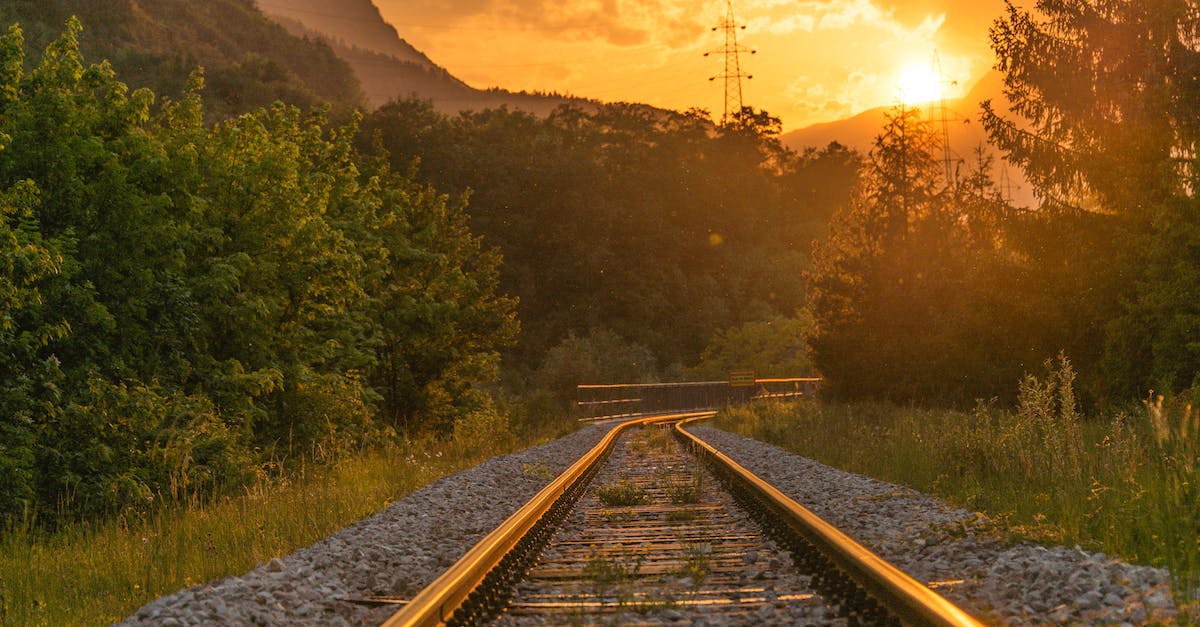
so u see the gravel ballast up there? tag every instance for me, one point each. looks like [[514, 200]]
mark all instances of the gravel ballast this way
[[398, 551]]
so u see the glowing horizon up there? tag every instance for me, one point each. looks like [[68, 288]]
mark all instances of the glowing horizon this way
[[816, 61]]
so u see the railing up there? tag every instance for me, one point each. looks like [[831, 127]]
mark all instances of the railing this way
[[624, 400]]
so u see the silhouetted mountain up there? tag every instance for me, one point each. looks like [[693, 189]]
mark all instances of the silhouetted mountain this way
[[249, 60], [351, 23], [388, 66], [860, 130]]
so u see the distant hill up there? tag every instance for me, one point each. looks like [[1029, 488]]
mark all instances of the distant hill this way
[[249, 60], [860, 131], [966, 133], [351, 23], [388, 66]]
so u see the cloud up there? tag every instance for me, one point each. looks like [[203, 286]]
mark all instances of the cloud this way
[[616, 22], [966, 23]]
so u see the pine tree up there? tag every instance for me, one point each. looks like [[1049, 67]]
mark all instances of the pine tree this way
[[1104, 95]]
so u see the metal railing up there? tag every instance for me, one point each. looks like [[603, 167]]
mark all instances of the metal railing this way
[[595, 403]]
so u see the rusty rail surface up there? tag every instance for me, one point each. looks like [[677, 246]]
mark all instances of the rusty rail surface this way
[[481, 580]]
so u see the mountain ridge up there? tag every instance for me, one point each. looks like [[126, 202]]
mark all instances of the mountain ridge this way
[[248, 60], [388, 67]]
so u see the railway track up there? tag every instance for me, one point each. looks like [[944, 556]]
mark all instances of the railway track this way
[[653, 526]]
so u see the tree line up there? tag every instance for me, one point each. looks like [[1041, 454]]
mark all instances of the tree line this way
[[183, 301], [628, 230]]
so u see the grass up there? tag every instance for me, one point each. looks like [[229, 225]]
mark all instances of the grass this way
[[1127, 484], [687, 492], [696, 563], [622, 493], [101, 573], [653, 439]]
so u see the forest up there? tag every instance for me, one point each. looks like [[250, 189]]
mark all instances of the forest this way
[[195, 288]]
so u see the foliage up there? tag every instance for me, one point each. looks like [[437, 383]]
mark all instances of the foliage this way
[[903, 288], [183, 302], [612, 217], [1103, 122], [623, 493], [599, 357], [102, 572], [777, 347]]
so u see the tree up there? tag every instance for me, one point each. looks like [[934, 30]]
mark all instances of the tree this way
[[175, 296], [1107, 93], [899, 286]]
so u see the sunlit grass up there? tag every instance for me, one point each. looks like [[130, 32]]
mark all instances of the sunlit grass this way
[[101, 573], [1128, 486]]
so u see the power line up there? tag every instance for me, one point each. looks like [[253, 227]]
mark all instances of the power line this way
[[732, 76]]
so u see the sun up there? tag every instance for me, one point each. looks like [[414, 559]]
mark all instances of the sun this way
[[918, 84]]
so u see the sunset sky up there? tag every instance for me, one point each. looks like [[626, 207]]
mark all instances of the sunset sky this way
[[817, 60]]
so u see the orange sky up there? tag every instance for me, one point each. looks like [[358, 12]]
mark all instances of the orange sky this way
[[817, 60]]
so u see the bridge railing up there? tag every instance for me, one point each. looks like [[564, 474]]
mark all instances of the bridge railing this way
[[623, 400]]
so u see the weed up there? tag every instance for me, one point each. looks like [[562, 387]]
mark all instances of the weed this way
[[102, 572], [617, 517], [687, 492], [537, 470], [696, 563], [653, 439], [609, 571], [1128, 485], [622, 493]]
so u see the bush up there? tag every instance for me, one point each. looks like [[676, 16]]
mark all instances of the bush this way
[[599, 357], [776, 347], [119, 448]]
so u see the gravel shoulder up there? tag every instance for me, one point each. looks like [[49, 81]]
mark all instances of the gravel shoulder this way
[[404, 547], [394, 553]]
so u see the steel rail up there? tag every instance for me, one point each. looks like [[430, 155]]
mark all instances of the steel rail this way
[[911, 601], [437, 603]]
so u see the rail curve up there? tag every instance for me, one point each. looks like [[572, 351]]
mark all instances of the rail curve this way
[[865, 587]]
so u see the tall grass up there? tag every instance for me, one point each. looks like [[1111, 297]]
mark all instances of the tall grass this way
[[102, 572], [1128, 485]]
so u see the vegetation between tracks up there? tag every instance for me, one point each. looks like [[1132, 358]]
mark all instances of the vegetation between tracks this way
[[102, 572], [1127, 484]]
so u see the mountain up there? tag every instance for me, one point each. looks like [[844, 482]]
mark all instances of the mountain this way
[[860, 130], [388, 66], [350, 23], [249, 61]]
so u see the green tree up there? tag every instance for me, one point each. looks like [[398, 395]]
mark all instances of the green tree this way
[[777, 347], [610, 217], [174, 294], [1107, 94]]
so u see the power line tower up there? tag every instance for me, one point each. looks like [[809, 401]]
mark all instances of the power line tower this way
[[951, 178], [733, 68]]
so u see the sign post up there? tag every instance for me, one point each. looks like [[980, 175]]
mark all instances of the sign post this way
[[742, 379]]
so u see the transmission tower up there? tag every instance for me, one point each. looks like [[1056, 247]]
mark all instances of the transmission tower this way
[[944, 119], [732, 75]]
